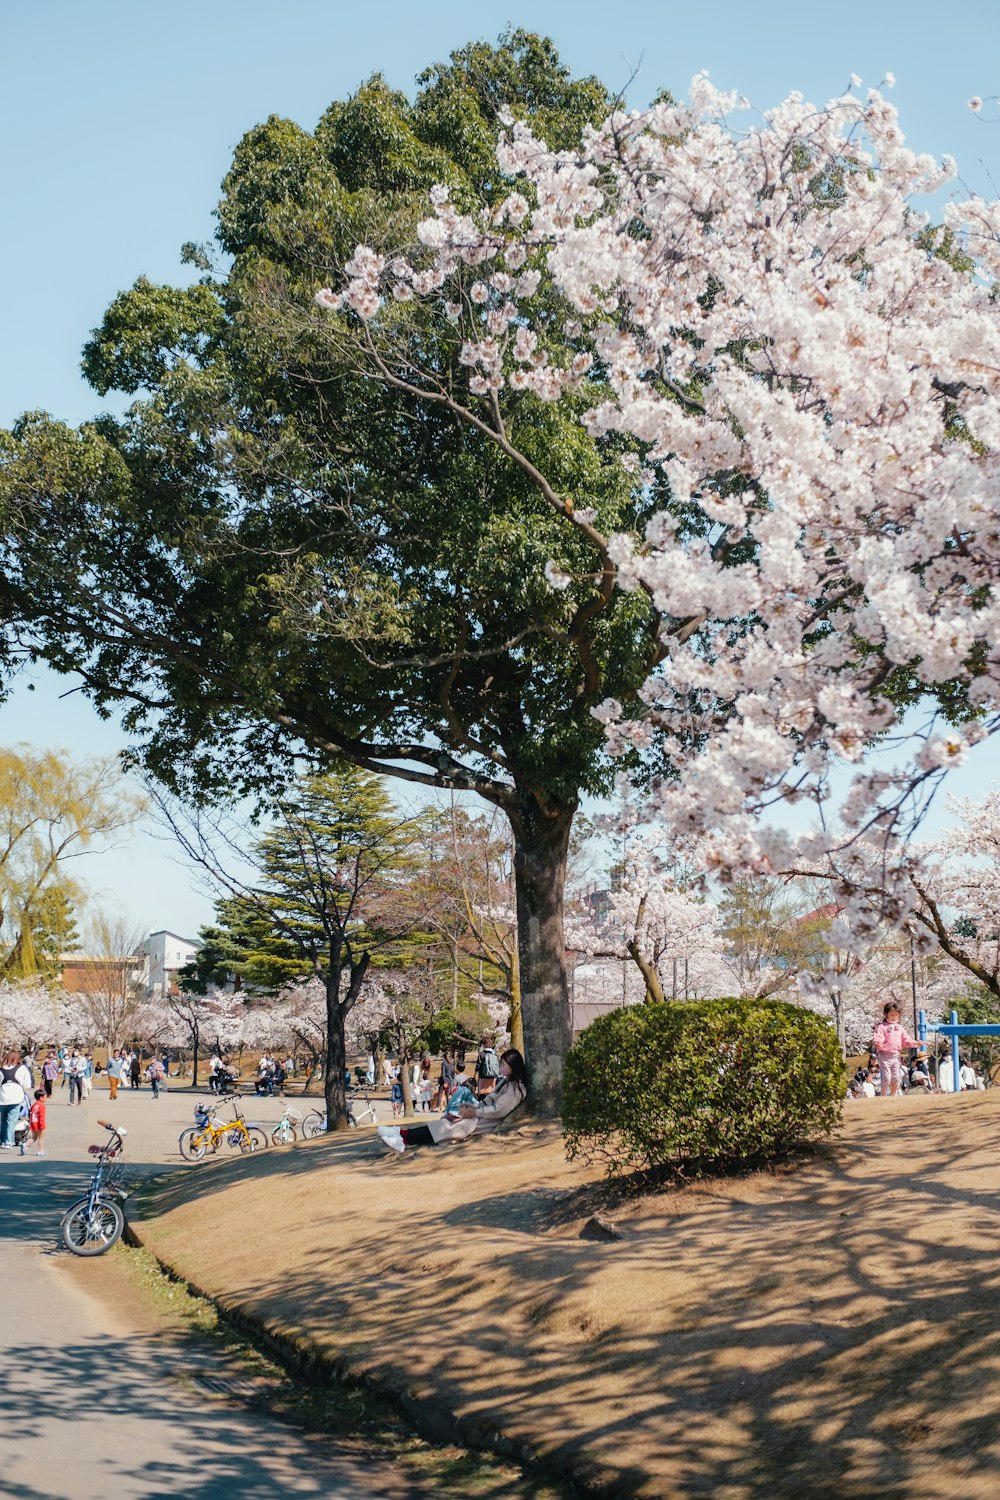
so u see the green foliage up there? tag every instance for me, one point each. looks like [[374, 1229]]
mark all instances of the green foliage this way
[[977, 1007], [278, 552], [455, 1028], [329, 869], [146, 331], [293, 544], [221, 953], [773, 932], [701, 1086], [47, 930], [51, 809]]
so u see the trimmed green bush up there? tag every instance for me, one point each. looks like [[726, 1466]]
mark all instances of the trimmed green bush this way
[[701, 1085]]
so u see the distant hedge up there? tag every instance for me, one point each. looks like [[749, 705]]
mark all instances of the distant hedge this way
[[701, 1085]]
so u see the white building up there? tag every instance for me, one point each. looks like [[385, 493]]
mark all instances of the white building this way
[[166, 952]]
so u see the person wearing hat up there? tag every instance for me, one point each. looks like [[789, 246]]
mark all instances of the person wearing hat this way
[[920, 1077], [889, 1040]]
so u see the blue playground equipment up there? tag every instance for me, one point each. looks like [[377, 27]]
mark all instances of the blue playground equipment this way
[[952, 1030]]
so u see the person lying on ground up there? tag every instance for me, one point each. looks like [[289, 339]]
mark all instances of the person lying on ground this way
[[470, 1119]]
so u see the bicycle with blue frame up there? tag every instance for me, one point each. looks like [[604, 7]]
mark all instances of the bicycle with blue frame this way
[[284, 1133], [96, 1222]]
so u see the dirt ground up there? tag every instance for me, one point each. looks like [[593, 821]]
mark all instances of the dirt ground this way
[[829, 1329]]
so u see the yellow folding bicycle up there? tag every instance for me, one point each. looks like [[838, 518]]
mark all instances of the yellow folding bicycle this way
[[209, 1133]]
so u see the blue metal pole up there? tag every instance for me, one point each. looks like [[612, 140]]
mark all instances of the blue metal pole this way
[[922, 1025], [954, 1053]]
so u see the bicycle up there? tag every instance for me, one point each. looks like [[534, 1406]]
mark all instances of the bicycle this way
[[284, 1132], [314, 1123], [96, 1222], [208, 1133]]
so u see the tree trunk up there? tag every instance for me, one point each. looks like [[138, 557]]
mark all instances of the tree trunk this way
[[516, 1016], [195, 1039], [404, 1081], [837, 1000], [654, 989], [337, 1011], [541, 845], [336, 1059]]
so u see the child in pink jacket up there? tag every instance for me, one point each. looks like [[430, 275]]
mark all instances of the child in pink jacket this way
[[889, 1040]]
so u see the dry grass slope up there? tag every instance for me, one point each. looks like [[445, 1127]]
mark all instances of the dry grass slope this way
[[831, 1329]]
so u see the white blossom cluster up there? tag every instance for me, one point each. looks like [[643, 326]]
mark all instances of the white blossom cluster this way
[[31, 1013], [955, 883], [760, 315], [664, 923]]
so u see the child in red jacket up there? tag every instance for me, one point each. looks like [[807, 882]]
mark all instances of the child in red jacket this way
[[36, 1121]]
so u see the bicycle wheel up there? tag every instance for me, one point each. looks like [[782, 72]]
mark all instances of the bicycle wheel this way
[[283, 1134], [314, 1124], [192, 1144], [254, 1140], [92, 1232]]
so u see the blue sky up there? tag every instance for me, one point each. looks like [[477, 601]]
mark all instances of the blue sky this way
[[118, 119]]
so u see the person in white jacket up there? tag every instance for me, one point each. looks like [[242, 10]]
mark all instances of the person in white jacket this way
[[471, 1119], [15, 1086]]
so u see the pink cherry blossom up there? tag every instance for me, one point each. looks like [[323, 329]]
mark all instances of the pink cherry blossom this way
[[831, 431]]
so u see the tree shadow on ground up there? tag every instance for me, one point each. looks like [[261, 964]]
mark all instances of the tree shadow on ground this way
[[127, 1387], [812, 1334]]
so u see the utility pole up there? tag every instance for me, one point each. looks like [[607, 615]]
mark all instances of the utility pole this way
[[913, 980]]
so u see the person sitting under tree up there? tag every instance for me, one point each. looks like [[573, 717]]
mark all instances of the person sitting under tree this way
[[471, 1119]]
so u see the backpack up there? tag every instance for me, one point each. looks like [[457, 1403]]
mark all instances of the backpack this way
[[489, 1066]]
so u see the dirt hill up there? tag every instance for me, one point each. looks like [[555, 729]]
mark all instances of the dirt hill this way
[[830, 1329]]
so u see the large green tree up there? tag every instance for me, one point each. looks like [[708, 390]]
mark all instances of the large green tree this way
[[277, 550], [324, 903]]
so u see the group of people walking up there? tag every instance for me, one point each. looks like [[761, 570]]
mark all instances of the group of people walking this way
[[77, 1069], [72, 1069]]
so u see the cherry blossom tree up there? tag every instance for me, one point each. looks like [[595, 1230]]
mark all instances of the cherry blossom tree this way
[[854, 984], [399, 1005], [188, 1019], [653, 924], [673, 437], [297, 1020], [956, 889], [32, 1014], [805, 369]]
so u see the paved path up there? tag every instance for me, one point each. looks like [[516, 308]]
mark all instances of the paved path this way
[[91, 1408]]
